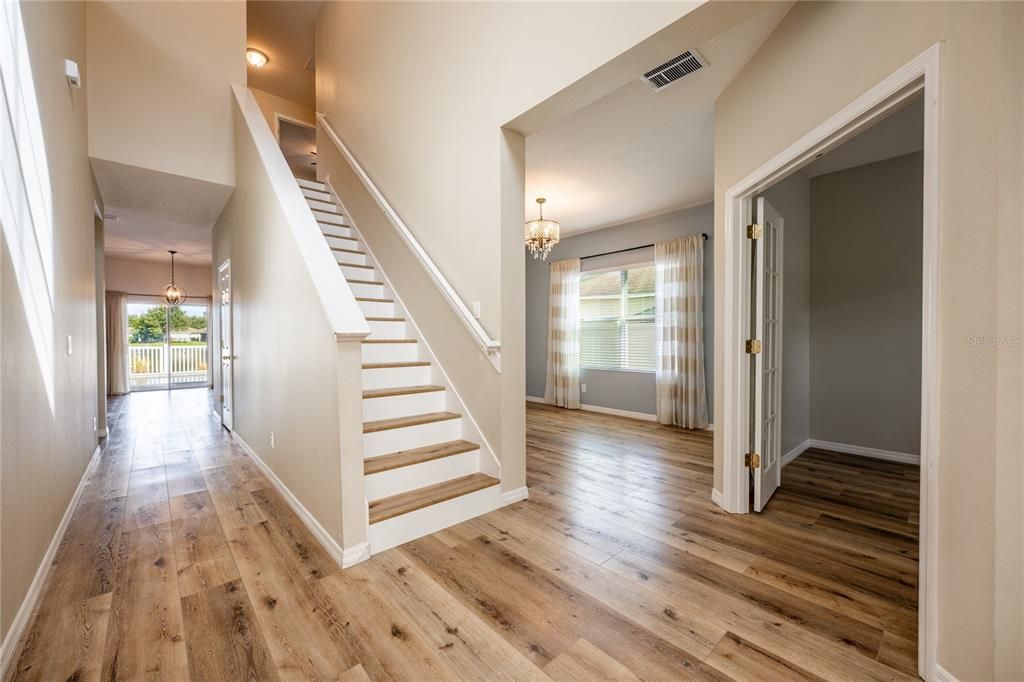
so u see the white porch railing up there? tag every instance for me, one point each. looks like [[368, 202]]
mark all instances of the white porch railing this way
[[148, 365]]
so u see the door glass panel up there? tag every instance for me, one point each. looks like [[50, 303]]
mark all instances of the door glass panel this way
[[188, 355], [147, 346]]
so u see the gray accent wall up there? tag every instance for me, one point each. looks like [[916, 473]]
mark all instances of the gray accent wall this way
[[631, 391], [866, 246]]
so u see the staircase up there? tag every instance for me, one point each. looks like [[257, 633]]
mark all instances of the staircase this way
[[424, 470]]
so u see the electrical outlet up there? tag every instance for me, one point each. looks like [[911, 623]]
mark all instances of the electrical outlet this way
[[69, 344], [476, 309], [583, 388], [272, 440]]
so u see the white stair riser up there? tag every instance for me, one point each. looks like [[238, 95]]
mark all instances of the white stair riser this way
[[377, 308], [393, 440], [336, 231], [390, 352], [311, 184], [393, 532], [396, 377], [324, 206], [344, 243], [394, 406], [386, 330], [332, 219], [367, 290], [351, 272], [346, 257], [404, 479], [316, 194]]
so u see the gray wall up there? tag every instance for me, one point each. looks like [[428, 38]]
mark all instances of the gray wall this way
[[866, 305], [633, 391], [791, 198]]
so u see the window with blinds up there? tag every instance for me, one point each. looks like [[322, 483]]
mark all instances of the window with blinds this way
[[617, 319]]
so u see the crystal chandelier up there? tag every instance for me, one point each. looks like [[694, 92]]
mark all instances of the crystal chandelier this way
[[540, 235], [173, 294]]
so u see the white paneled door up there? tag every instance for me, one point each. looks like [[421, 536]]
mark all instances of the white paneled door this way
[[227, 358]]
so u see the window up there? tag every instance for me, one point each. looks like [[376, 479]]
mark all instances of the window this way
[[617, 319]]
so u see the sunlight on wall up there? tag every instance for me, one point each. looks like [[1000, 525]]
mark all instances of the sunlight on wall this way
[[26, 206]]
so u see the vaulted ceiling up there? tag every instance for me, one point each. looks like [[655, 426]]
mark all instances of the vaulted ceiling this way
[[285, 31]]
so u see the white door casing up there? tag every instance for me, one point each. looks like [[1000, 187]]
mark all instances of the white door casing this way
[[227, 358]]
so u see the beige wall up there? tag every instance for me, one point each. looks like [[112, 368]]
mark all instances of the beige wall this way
[[285, 348], [151, 276], [160, 76], [270, 105], [814, 64], [46, 444]]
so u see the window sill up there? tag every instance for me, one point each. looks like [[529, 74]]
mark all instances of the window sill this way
[[618, 371]]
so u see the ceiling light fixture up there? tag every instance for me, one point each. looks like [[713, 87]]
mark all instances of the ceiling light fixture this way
[[256, 57], [173, 294], [540, 235]]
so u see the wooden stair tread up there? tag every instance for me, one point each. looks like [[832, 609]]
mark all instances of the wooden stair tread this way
[[344, 250], [403, 422], [363, 281], [393, 365], [369, 299], [404, 390], [357, 265], [396, 505], [404, 458], [328, 222], [384, 319], [390, 341]]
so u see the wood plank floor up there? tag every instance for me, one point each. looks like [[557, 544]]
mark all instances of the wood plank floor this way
[[183, 562]]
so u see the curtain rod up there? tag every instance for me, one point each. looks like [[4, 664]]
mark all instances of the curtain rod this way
[[632, 248]]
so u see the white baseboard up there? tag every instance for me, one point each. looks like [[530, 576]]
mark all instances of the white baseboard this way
[[716, 497], [943, 675], [340, 555], [516, 495], [35, 590], [643, 416], [795, 452], [860, 450], [535, 399]]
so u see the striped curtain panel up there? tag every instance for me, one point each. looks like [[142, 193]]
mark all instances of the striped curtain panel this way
[[563, 379], [679, 332], [117, 343]]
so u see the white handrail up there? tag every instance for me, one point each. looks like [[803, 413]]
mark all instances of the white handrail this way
[[489, 345]]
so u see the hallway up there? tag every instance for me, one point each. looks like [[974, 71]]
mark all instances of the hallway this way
[[183, 562]]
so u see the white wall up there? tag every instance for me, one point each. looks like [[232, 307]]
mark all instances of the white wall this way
[[48, 398], [811, 67], [159, 77], [138, 276]]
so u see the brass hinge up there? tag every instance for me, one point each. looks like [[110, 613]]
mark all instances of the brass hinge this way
[[753, 346], [754, 231], [752, 460]]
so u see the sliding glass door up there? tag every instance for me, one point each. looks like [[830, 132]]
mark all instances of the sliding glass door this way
[[167, 345]]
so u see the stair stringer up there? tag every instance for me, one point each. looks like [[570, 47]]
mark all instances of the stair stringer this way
[[488, 462]]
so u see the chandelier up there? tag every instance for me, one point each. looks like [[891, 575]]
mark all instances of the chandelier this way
[[173, 294], [540, 235]]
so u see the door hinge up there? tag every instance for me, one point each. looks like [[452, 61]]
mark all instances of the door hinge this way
[[752, 460], [754, 231], [752, 346]]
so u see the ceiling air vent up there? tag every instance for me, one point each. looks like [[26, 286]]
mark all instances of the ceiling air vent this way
[[674, 69]]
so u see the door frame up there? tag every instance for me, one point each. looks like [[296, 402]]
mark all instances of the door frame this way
[[226, 265], [921, 75]]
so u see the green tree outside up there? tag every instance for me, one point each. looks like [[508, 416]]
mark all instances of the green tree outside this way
[[149, 326]]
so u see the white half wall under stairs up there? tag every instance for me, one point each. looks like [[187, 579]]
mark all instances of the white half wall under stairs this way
[[424, 466]]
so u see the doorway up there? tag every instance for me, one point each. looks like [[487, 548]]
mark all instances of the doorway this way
[[167, 344], [919, 78]]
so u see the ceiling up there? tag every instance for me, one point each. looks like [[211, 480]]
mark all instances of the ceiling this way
[[149, 212], [636, 152], [900, 133], [285, 31]]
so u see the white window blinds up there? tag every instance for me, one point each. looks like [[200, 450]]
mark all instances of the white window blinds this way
[[617, 319]]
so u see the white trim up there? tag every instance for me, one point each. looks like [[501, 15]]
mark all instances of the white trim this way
[[922, 73], [535, 399], [863, 451], [515, 495], [278, 117], [795, 452], [356, 554], [328, 542], [21, 620], [642, 416], [943, 675], [491, 347]]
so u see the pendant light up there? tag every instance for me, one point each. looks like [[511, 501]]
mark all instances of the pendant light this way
[[173, 294], [540, 235]]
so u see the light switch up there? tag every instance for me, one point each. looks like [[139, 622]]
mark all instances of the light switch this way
[[69, 344]]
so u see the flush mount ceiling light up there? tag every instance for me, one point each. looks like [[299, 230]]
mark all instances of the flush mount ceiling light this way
[[173, 294], [540, 235], [256, 57]]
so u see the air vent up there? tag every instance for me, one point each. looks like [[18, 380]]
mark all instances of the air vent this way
[[674, 69]]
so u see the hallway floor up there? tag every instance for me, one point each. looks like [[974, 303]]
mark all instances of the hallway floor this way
[[183, 562]]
